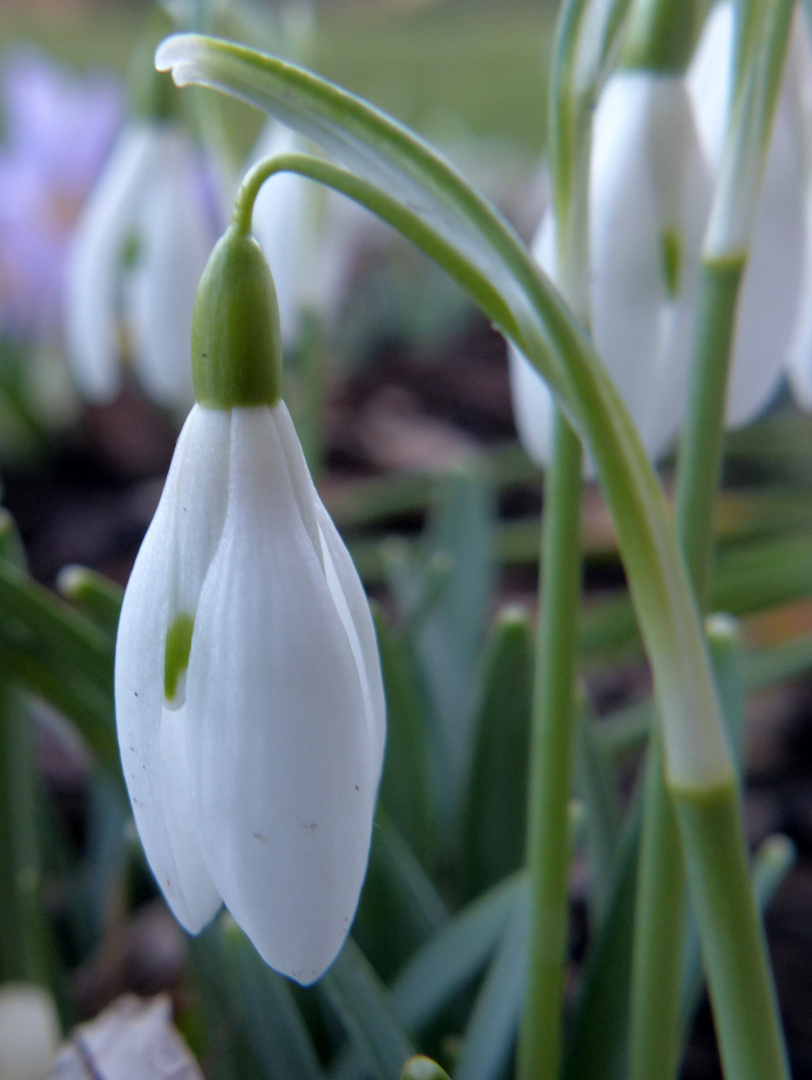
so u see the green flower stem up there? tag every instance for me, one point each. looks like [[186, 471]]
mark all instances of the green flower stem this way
[[660, 912], [742, 992], [659, 918], [555, 713], [660, 915], [551, 756], [700, 455]]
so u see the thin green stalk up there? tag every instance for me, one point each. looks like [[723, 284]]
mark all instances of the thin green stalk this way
[[733, 946], [660, 912], [551, 757], [700, 455], [659, 918]]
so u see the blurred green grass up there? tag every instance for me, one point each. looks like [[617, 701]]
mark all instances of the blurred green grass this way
[[447, 68]]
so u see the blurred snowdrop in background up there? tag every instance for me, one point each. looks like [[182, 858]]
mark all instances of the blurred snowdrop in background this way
[[772, 323], [649, 197], [137, 255], [58, 128]]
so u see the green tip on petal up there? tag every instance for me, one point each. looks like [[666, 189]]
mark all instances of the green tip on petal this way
[[236, 349], [176, 653]]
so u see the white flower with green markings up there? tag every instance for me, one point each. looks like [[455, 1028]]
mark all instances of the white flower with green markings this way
[[140, 247], [249, 697], [649, 198], [772, 326]]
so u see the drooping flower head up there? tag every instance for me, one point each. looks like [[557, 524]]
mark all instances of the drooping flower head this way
[[137, 255], [249, 699], [649, 197]]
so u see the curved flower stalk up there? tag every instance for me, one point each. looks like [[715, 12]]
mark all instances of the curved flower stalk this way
[[309, 236], [649, 197], [249, 699], [768, 329], [282, 230], [137, 256]]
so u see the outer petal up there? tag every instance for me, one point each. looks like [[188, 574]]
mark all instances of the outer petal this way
[[166, 580], [342, 580], [175, 241], [280, 225], [283, 774], [94, 265], [648, 181]]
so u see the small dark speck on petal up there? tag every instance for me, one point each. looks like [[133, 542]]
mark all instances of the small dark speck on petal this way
[[357, 788], [259, 836]]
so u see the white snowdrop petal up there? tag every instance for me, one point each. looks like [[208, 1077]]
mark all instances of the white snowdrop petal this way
[[155, 773], [771, 287], [175, 243], [94, 262], [353, 610], [629, 297], [283, 787], [532, 402], [532, 407], [342, 580], [709, 81], [304, 490]]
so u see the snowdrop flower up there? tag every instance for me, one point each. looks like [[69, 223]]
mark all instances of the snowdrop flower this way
[[138, 253], [767, 332], [248, 689], [650, 193]]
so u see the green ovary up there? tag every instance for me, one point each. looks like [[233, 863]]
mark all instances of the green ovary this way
[[176, 653]]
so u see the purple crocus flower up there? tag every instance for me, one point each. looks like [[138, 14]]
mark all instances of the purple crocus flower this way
[[58, 131]]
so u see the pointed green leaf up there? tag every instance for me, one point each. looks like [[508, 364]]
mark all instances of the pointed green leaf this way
[[400, 908], [449, 640], [368, 1012], [405, 782], [456, 954], [494, 1022], [495, 806], [265, 1005], [595, 786]]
